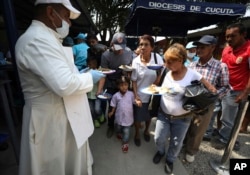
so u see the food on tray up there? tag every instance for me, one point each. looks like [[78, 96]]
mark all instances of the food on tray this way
[[164, 89], [104, 69], [126, 67], [153, 89], [157, 90]]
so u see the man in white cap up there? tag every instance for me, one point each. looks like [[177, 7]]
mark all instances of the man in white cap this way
[[56, 117], [191, 53], [112, 58]]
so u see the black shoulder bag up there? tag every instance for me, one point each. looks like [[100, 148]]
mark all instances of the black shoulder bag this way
[[156, 99]]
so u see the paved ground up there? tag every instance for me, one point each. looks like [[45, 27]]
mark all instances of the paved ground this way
[[207, 153], [110, 160]]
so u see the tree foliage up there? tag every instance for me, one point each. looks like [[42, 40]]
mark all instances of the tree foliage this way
[[109, 16]]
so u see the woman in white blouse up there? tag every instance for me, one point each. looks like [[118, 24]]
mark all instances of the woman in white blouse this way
[[143, 77], [172, 119]]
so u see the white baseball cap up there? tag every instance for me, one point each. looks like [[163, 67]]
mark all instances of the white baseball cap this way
[[190, 45], [119, 41], [74, 13]]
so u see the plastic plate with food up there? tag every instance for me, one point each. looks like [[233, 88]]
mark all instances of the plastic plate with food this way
[[106, 70], [157, 90], [126, 68], [154, 66], [154, 90]]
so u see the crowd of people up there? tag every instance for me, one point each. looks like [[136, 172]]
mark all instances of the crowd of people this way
[[61, 82]]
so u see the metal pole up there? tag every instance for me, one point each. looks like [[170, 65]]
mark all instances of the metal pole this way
[[234, 133], [222, 167]]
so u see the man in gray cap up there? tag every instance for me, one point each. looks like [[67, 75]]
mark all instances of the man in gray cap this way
[[217, 74], [112, 58], [56, 117]]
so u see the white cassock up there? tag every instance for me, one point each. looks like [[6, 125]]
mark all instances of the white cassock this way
[[56, 118]]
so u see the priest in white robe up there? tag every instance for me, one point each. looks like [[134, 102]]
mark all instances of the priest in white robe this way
[[56, 117]]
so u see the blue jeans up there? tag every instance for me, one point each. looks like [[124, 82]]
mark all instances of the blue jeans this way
[[176, 129], [95, 108], [125, 131], [229, 113]]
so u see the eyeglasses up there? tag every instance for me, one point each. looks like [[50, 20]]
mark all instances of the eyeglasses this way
[[144, 44]]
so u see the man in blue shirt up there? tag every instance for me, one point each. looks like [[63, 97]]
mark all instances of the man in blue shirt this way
[[80, 51]]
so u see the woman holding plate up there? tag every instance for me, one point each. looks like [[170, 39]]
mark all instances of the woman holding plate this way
[[173, 120], [142, 77]]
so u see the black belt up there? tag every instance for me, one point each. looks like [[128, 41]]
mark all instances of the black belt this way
[[182, 116]]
